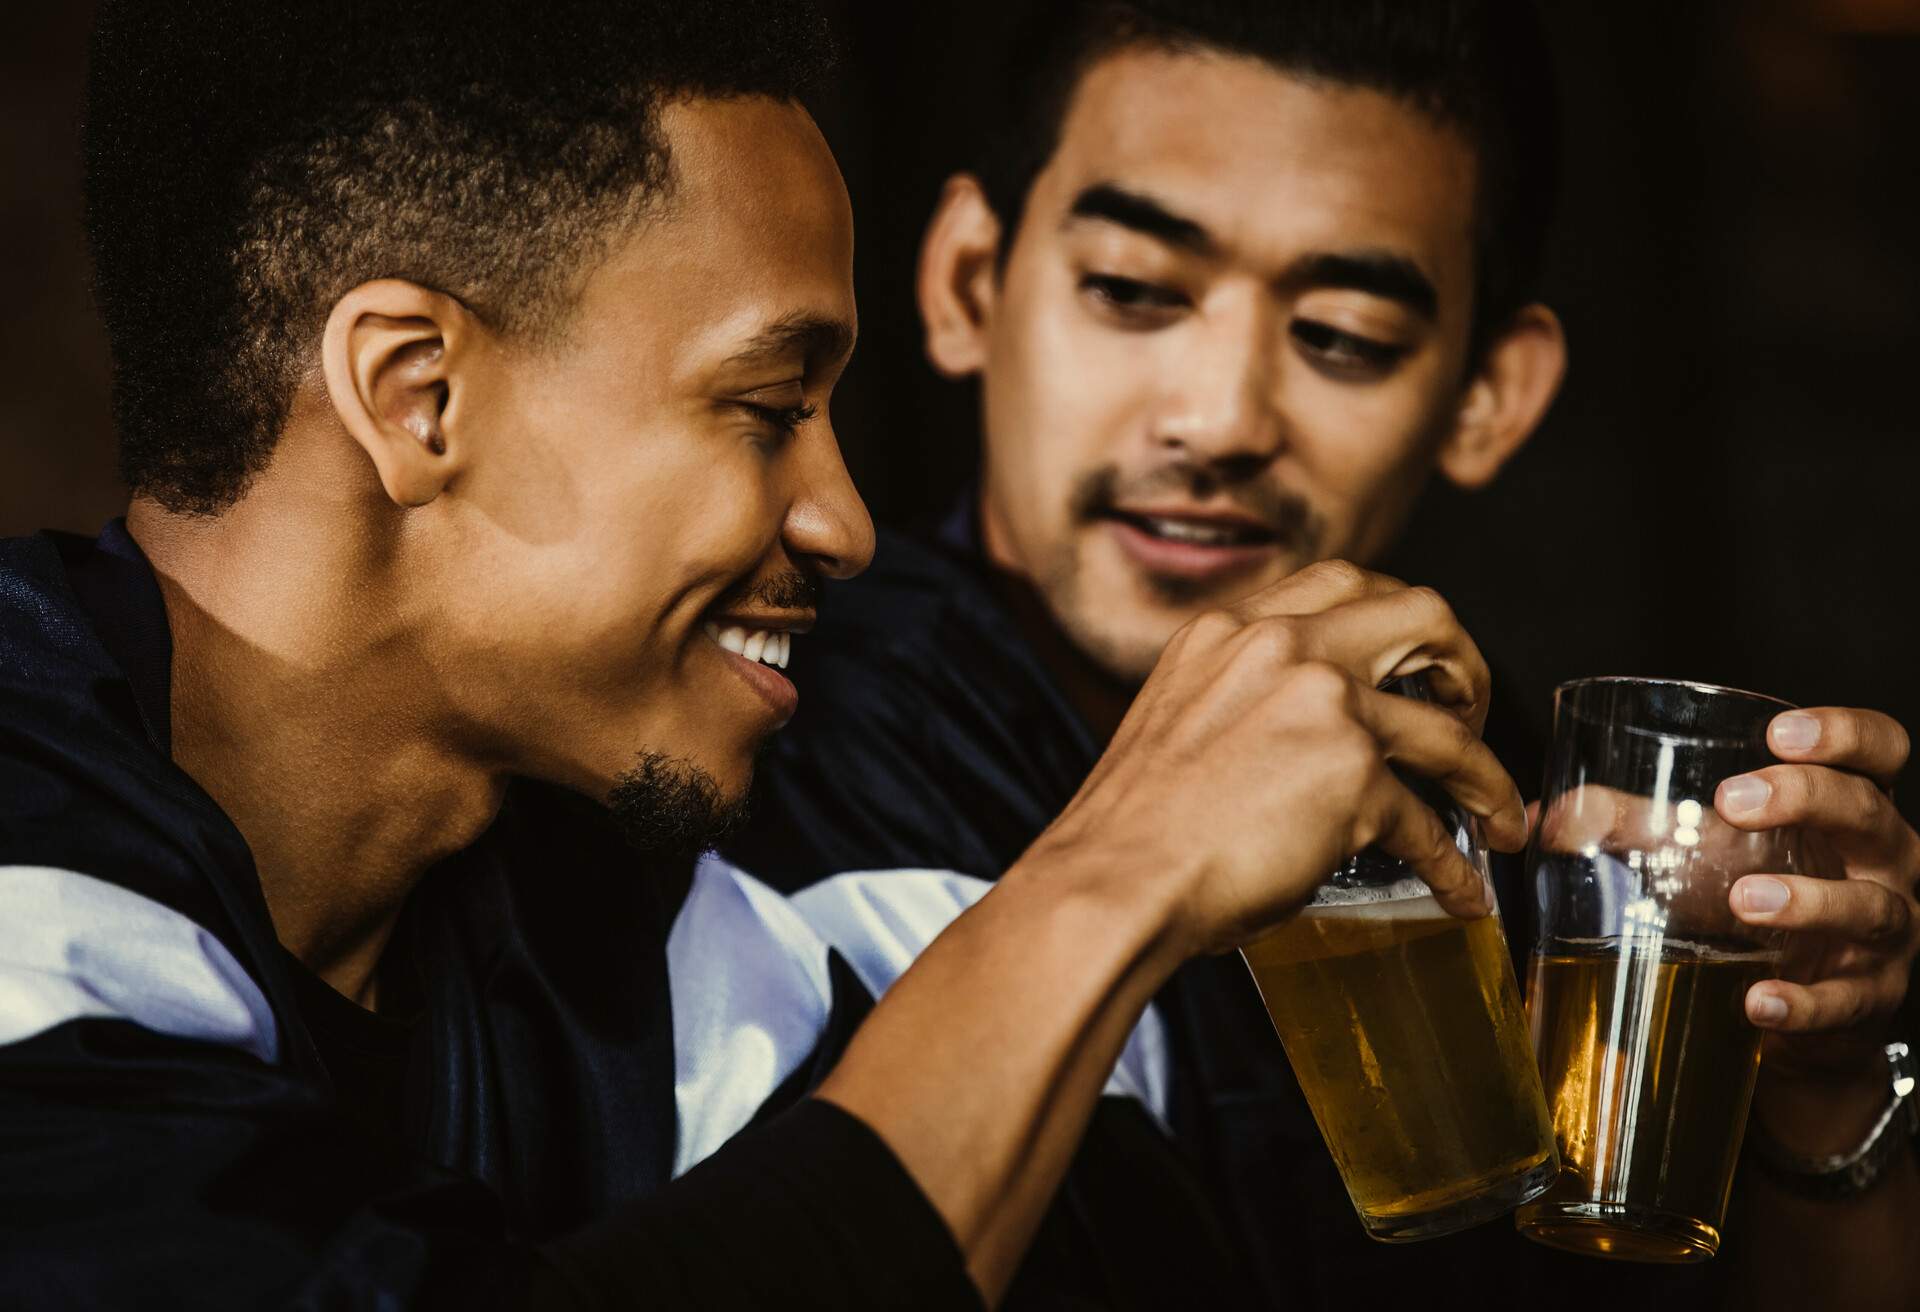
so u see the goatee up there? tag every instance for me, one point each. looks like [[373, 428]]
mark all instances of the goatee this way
[[672, 810]]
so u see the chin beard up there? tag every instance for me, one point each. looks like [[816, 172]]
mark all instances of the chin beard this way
[[672, 810]]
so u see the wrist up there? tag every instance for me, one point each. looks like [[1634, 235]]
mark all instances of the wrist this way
[[1816, 1111], [1849, 1172], [1123, 897]]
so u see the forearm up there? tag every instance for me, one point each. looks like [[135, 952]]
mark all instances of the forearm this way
[[981, 1066], [1803, 1252]]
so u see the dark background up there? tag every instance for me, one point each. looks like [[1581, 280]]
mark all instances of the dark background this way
[[1723, 492]]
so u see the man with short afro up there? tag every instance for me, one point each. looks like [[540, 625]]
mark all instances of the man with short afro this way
[[472, 366]]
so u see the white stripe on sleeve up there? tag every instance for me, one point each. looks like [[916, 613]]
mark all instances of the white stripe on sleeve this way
[[880, 920], [73, 946], [751, 996]]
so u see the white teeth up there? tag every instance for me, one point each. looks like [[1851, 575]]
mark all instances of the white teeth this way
[[763, 645], [1179, 530]]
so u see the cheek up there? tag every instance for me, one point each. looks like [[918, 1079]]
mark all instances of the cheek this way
[[659, 536], [1064, 396], [1363, 453]]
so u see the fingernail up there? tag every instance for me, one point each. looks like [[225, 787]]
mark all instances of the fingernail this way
[[1766, 1009], [1745, 793], [1796, 731], [1763, 896]]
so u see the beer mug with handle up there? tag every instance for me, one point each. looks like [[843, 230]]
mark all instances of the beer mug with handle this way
[[1639, 973], [1405, 1028]]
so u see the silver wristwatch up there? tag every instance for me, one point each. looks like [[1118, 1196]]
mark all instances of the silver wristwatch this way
[[1844, 1175]]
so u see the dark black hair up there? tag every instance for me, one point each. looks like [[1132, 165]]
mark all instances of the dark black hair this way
[[1479, 66], [250, 161]]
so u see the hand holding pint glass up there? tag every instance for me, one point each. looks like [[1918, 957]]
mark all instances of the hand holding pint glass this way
[[1405, 1028], [1259, 755], [1640, 969]]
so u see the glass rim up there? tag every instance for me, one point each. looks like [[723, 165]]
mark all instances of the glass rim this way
[[1646, 681], [1703, 738]]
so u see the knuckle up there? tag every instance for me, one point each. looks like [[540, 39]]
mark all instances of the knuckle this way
[[1432, 608], [1460, 739], [1840, 731], [1318, 685], [1276, 640], [1817, 899], [1790, 795], [1355, 756], [1348, 754], [1342, 577], [1864, 805], [1209, 628], [1892, 917]]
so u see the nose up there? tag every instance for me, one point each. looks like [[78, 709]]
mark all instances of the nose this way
[[1222, 409], [827, 528]]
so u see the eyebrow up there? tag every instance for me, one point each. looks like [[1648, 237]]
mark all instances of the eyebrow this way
[[814, 338], [1143, 214], [1384, 274]]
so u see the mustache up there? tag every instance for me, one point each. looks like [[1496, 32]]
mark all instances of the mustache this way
[[788, 590], [1100, 492]]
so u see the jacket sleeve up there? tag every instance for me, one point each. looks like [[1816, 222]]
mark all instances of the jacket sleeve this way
[[810, 1210], [139, 1169]]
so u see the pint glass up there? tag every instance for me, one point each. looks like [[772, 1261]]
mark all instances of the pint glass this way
[[1405, 1028], [1637, 987]]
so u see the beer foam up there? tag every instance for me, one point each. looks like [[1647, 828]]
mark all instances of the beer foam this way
[[1687, 949], [1389, 903]]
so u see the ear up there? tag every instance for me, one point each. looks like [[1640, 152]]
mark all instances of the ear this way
[[1507, 399], [959, 273], [391, 353]]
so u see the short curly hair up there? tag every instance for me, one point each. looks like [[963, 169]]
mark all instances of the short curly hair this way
[[248, 162]]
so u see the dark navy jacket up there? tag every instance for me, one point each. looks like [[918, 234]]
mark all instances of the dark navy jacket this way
[[171, 1135]]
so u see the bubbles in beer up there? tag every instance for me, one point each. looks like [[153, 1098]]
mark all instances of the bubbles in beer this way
[[1405, 1028]]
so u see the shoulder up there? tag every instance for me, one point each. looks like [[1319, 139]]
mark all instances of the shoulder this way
[[84, 791], [42, 631], [69, 731]]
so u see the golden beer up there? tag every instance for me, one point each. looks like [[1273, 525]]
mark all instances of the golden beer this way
[[1649, 1063], [1405, 1028]]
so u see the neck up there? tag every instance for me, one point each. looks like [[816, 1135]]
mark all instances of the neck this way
[[300, 704], [1101, 699]]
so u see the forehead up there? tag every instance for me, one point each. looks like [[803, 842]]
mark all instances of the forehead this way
[[755, 228], [1268, 162]]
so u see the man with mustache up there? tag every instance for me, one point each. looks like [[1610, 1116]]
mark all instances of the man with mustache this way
[[1235, 280], [471, 374]]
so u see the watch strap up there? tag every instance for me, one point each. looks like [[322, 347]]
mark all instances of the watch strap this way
[[1848, 1174]]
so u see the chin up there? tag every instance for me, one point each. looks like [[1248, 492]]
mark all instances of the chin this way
[[1126, 647]]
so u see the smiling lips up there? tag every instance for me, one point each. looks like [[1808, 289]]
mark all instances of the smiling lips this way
[[770, 646], [1193, 546], [1199, 530], [758, 655]]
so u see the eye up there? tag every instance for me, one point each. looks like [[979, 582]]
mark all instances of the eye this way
[[1344, 353], [784, 420], [1134, 303]]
